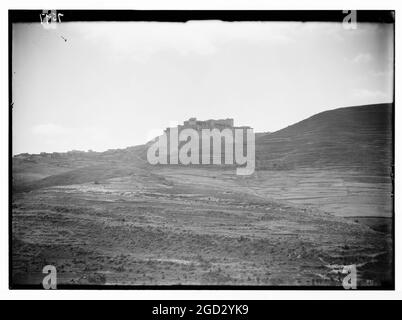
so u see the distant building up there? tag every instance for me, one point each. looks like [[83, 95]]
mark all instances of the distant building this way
[[198, 125]]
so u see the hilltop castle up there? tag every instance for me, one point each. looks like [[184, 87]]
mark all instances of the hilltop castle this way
[[198, 125], [200, 142]]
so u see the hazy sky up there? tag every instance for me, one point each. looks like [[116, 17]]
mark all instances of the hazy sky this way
[[113, 85]]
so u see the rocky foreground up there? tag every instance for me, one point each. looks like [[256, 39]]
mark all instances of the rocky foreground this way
[[187, 227]]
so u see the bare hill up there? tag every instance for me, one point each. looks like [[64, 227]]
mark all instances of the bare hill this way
[[352, 137], [358, 138]]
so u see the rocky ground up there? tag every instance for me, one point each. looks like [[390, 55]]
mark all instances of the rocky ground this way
[[170, 226]]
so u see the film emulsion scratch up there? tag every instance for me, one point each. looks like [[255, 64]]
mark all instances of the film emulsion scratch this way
[[202, 149]]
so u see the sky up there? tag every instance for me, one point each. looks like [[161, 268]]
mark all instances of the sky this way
[[118, 84]]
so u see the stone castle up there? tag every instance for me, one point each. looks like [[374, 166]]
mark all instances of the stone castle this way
[[198, 125]]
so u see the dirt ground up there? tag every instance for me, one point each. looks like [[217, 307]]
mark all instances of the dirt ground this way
[[190, 227]]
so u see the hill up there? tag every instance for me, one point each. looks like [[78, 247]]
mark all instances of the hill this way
[[106, 218], [353, 137], [357, 138]]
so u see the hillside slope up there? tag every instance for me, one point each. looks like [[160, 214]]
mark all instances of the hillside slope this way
[[32, 172], [352, 137], [358, 138]]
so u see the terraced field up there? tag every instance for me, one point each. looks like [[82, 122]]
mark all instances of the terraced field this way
[[162, 228]]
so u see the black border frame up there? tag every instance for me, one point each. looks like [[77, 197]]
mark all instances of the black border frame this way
[[32, 16]]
